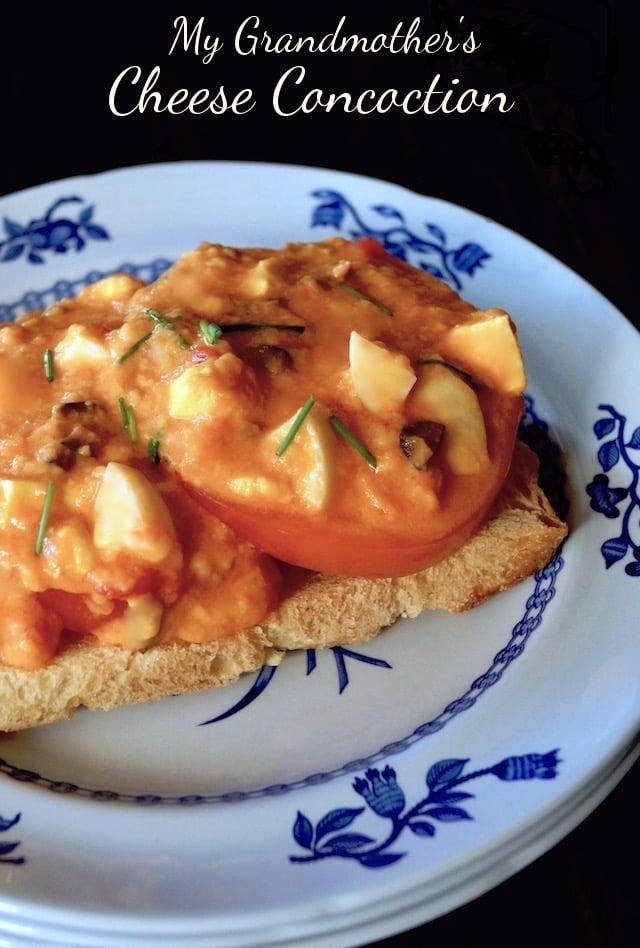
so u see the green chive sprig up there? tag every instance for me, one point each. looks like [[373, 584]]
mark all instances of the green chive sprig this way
[[167, 323], [448, 365], [211, 331], [134, 348], [295, 425], [153, 450], [128, 419], [48, 365], [353, 441], [44, 518], [363, 296], [161, 321], [250, 327]]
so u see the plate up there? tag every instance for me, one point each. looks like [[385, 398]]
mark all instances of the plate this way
[[352, 793]]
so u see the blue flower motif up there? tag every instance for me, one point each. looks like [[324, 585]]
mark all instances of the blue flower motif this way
[[429, 252], [383, 795], [56, 234], [605, 499], [528, 767], [469, 258], [618, 449], [329, 214], [381, 791]]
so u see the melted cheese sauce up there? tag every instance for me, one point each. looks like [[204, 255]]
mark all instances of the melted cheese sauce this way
[[127, 555], [199, 379]]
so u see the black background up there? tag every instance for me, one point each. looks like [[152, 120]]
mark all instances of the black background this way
[[560, 168]]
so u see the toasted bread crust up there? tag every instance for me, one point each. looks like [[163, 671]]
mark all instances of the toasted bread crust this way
[[520, 536]]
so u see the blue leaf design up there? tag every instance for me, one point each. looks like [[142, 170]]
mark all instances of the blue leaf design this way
[[614, 550], [449, 814], [303, 831], [603, 427], [433, 270], [387, 211], [346, 843], [337, 819], [635, 439], [6, 848], [378, 860], [12, 252], [446, 796], [7, 824], [444, 772], [86, 215], [608, 455], [437, 232], [96, 232], [263, 678], [325, 194], [422, 828], [12, 228]]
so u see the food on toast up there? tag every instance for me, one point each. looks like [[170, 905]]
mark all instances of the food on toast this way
[[263, 450]]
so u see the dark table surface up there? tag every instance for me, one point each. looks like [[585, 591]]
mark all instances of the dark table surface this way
[[559, 168]]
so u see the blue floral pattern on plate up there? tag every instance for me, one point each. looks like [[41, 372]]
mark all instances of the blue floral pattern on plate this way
[[384, 796], [50, 233], [8, 848], [432, 255], [429, 253], [607, 499]]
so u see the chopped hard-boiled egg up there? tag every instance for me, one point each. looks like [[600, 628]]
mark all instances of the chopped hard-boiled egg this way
[[80, 346], [20, 501], [382, 378], [488, 349], [209, 389], [130, 515], [441, 395], [309, 455], [140, 622]]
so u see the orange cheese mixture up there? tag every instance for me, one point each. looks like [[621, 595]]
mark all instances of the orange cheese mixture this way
[[162, 446], [126, 554]]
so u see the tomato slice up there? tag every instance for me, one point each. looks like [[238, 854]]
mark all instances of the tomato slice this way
[[395, 547], [371, 327]]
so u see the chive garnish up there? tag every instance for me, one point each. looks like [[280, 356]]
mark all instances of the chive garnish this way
[[353, 441], [159, 320], [48, 365], [363, 296], [128, 419], [448, 365], [153, 450], [167, 323], [295, 425], [248, 327], [44, 518], [134, 348], [211, 331]]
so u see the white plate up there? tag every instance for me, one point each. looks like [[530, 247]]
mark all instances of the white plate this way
[[148, 827]]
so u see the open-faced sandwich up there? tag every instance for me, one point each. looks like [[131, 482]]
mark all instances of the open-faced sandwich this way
[[263, 450]]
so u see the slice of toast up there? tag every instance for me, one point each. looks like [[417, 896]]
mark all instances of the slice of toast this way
[[520, 536]]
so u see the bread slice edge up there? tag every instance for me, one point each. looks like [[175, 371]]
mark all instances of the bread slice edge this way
[[520, 536]]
